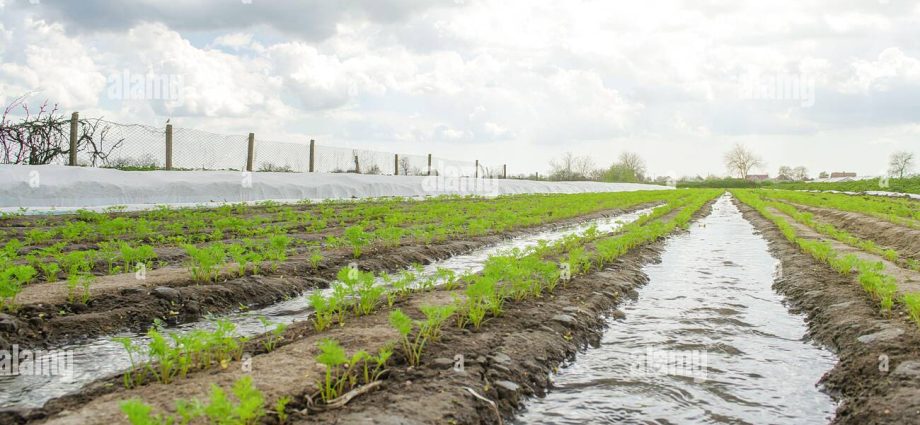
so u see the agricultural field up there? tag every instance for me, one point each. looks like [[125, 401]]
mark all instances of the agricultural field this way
[[451, 309]]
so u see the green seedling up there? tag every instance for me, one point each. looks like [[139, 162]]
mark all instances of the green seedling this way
[[357, 238], [276, 334], [11, 282]]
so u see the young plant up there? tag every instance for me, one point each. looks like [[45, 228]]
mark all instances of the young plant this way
[[205, 263], [357, 238], [333, 357], [11, 281], [275, 335], [315, 257]]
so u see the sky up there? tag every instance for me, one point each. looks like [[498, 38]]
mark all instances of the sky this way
[[832, 85]]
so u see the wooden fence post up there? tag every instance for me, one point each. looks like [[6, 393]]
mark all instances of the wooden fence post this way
[[312, 153], [357, 165], [251, 151], [396, 164], [504, 171], [429, 164], [169, 138], [476, 173], [74, 123]]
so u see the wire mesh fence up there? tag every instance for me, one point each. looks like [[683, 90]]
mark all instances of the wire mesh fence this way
[[102, 143]]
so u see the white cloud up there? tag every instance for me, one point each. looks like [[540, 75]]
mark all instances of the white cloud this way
[[526, 78]]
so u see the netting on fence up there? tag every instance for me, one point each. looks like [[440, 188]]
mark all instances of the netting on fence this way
[[124, 146], [103, 143], [201, 150]]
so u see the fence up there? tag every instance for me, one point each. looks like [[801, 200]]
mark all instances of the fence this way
[[134, 146]]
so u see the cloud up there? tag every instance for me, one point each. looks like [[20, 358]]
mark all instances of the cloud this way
[[524, 78], [307, 19]]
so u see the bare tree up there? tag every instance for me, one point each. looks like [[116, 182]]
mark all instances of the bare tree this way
[[43, 136], [740, 161], [784, 173], [900, 164], [800, 173], [404, 165], [571, 167]]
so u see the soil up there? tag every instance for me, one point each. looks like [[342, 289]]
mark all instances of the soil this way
[[877, 378], [903, 239], [46, 318]]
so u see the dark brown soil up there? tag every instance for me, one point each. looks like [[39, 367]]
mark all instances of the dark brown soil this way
[[120, 302], [877, 378]]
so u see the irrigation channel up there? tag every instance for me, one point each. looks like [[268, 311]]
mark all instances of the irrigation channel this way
[[706, 341], [103, 357]]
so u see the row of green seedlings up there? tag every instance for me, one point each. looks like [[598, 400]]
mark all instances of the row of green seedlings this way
[[183, 226], [899, 211], [516, 276], [246, 407], [360, 291], [51, 261], [870, 274], [205, 263], [486, 218], [164, 357], [828, 229]]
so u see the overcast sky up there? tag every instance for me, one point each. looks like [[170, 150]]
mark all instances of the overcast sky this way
[[832, 85]]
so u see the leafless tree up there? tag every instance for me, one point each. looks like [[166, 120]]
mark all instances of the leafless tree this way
[[800, 173], [784, 173], [404, 166], [900, 164], [571, 167], [740, 161], [43, 137]]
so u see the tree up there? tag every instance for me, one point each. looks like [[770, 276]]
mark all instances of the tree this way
[[630, 168], [571, 167], [43, 136], [404, 166], [740, 161], [900, 164], [823, 175], [784, 173], [800, 173]]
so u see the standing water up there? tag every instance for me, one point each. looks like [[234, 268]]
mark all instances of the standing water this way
[[708, 341]]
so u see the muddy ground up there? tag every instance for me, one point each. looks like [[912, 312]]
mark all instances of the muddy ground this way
[[122, 302], [877, 378]]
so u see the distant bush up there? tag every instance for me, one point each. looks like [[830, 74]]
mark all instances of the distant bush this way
[[272, 168], [726, 183]]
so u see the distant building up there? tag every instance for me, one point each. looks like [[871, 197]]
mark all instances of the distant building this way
[[842, 174], [758, 177]]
